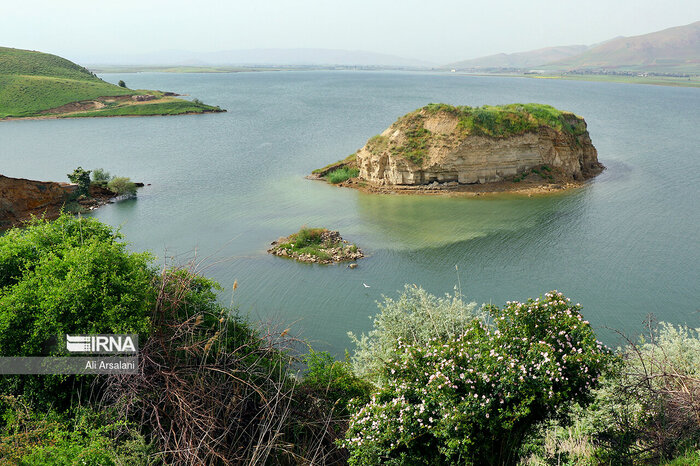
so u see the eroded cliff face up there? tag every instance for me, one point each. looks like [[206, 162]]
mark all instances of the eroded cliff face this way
[[21, 198], [429, 146]]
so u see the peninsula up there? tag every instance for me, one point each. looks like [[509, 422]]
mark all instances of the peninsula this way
[[40, 86], [437, 148]]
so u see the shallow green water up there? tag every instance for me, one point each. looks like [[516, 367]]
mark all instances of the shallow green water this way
[[224, 186]]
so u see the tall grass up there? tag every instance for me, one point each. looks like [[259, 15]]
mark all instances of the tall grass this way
[[342, 174]]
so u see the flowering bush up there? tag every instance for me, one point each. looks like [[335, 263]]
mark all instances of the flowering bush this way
[[415, 318], [472, 397]]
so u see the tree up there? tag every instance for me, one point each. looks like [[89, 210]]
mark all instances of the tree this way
[[70, 276], [82, 179], [122, 186], [122, 83]]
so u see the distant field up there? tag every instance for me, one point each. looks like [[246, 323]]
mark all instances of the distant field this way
[[35, 84]]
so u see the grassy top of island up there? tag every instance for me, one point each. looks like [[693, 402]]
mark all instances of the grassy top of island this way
[[506, 120], [41, 85]]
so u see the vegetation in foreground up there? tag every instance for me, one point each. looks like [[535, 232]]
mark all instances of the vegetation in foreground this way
[[318, 245], [526, 383], [35, 84]]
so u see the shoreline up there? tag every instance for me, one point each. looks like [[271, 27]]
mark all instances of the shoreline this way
[[69, 116], [523, 188]]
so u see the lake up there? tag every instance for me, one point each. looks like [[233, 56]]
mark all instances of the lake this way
[[223, 186]]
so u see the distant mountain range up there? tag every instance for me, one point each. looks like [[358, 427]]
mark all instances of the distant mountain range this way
[[673, 50], [260, 57], [520, 59]]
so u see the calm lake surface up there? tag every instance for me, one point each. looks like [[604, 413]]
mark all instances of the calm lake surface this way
[[224, 186]]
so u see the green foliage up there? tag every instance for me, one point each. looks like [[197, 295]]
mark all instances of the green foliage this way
[[642, 410], [334, 379], [416, 318], [122, 185], [82, 179], [417, 140], [27, 62], [101, 177], [342, 174], [348, 161], [174, 107], [73, 275], [471, 398], [83, 436], [121, 83]]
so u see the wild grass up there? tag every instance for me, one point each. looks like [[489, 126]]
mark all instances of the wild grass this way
[[27, 62], [342, 174], [512, 119], [347, 161]]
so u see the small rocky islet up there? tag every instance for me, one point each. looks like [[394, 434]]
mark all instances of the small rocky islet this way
[[442, 148], [316, 246]]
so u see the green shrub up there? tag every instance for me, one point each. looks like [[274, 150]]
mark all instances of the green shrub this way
[[83, 436], [342, 174], [334, 379], [82, 179], [417, 317], [647, 409], [471, 398], [122, 186], [72, 275], [101, 177], [121, 83]]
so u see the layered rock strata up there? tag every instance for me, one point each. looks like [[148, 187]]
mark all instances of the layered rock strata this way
[[446, 144]]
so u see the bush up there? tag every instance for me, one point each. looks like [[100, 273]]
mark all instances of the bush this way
[[101, 177], [210, 386], [335, 379], [83, 436], [72, 275], [472, 398], [648, 409], [342, 174], [416, 318], [82, 179], [122, 185], [122, 83]]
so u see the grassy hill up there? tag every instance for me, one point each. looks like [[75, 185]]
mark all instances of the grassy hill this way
[[35, 84]]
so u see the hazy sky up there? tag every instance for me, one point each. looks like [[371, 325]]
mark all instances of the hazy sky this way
[[438, 31]]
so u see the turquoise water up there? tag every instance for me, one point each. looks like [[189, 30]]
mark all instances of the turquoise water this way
[[224, 186]]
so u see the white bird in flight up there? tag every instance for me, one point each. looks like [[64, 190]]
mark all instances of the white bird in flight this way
[[366, 285]]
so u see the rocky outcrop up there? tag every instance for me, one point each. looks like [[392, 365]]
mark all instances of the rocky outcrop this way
[[445, 144], [323, 247], [21, 198]]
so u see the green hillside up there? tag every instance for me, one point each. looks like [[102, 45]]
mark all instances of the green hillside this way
[[34, 83]]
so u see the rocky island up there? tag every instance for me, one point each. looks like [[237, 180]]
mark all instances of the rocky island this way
[[316, 245], [516, 147]]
